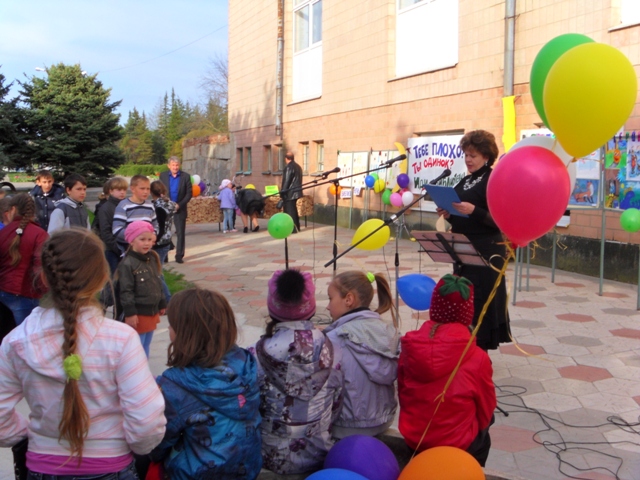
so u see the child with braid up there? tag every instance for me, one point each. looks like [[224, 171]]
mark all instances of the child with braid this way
[[20, 244], [67, 353], [428, 357], [366, 350]]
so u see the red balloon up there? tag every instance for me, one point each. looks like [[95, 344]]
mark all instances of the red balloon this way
[[528, 192]]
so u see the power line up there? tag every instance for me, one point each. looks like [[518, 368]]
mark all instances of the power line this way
[[167, 53]]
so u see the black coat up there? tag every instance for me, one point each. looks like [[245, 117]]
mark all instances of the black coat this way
[[291, 177], [185, 190]]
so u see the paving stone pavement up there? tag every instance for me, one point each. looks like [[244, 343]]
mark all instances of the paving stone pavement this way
[[571, 386]]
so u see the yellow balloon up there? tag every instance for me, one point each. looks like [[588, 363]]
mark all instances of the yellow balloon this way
[[375, 241], [589, 93], [379, 186]]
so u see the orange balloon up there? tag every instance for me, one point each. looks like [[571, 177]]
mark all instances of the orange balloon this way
[[195, 189], [443, 463], [335, 191]]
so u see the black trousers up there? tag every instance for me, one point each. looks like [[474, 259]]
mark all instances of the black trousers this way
[[180, 223], [291, 208]]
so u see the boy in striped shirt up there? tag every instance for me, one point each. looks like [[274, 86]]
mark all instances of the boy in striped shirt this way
[[134, 208]]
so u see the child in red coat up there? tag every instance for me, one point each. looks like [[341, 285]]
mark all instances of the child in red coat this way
[[427, 358]]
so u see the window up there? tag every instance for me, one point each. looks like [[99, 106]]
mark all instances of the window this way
[[267, 159], [280, 152], [307, 49], [305, 157], [629, 12], [320, 157], [247, 151], [239, 160], [426, 36]]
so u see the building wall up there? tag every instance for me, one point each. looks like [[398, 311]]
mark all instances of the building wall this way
[[363, 107]]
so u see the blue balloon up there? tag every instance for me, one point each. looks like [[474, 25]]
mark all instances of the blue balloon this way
[[370, 181], [336, 474], [415, 290], [364, 455]]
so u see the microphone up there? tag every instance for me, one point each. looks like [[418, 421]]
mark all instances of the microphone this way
[[394, 160], [443, 175], [335, 170]]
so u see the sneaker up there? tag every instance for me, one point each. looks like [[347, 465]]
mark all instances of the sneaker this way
[[245, 229], [224, 231]]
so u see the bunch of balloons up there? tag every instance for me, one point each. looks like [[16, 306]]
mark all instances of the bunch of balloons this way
[[198, 186], [584, 91]]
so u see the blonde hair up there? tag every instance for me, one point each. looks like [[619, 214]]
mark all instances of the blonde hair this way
[[136, 179], [75, 269], [358, 283], [118, 183]]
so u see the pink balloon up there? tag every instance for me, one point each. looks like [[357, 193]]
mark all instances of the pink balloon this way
[[528, 192], [396, 199]]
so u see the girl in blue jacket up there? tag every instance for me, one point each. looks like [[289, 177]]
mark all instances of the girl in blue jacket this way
[[211, 393]]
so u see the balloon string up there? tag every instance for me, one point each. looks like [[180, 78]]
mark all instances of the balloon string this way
[[440, 397]]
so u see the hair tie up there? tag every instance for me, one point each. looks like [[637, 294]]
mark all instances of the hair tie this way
[[19, 231], [72, 366], [371, 277]]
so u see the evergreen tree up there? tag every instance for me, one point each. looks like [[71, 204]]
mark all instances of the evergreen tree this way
[[137, 143], [11, 129], [72, 124]]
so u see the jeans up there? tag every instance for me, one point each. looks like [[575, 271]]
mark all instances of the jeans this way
[[228, 219], [163, 252], [20, 306], [145, 339], [112, 259], [128, 473]]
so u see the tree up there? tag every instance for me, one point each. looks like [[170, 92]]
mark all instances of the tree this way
[[137, 143], [72, 125], [215, 83], [11, 128]]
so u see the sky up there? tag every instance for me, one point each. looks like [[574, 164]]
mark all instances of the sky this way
[[120, 40]]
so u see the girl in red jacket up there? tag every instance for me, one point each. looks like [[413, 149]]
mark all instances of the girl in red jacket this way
[[20, 246], [427, 358]]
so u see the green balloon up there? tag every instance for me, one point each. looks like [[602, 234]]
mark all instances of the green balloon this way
[[386, 197], [545, 59], [375, 175], [280, 225], [630, 220]]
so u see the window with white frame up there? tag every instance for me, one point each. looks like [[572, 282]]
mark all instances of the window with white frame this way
[[629, 12], [307, 49], [320, 157], [305, 157], [426, 36]]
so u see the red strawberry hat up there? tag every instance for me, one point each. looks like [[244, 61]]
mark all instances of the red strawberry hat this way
[[452, 300]]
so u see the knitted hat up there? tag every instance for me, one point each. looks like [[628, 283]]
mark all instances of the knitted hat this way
[[291, 296], [224, 183], [452, 301], [135, 229]]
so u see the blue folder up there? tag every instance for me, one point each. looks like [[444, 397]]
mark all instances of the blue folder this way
[[443, 197]]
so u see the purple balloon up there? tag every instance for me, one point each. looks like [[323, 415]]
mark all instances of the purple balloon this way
[[336, 474], [403, 180], [364, 455], [203, 187]]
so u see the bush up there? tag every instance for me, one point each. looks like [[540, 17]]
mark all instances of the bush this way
[[131, 169]]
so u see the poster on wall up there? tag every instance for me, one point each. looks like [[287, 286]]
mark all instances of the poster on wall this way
[[345, 162], [622, 172], [360, 161], [429, 157]]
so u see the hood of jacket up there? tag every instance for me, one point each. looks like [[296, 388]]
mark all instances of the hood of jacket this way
[[226, 388], [366, 329], [428, 358], [305, 369], [70, 202]]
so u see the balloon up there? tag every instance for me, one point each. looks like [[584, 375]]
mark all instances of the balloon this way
[[280, 225], [396, 199], [443, 463], [543, 62], [369, 181], [203, 186], [375, 175], [403, 180], [335, 190], [630, 220], [195, 190], [553, 145], [415, 290], [528, 191], [364, 455], [407, 198], [251, 186], [386, 197], [335, 474], [379, 186], [589, 94], [375, 241], [195, 179]]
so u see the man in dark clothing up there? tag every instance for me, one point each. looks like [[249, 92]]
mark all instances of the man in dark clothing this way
[[46, 194], [178, 185], [291, 178]]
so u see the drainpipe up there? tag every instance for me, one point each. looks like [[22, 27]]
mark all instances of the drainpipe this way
[[509, 45], [280, 68]]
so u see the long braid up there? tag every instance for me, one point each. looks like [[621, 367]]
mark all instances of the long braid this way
[[72, 261], [25, 207]]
